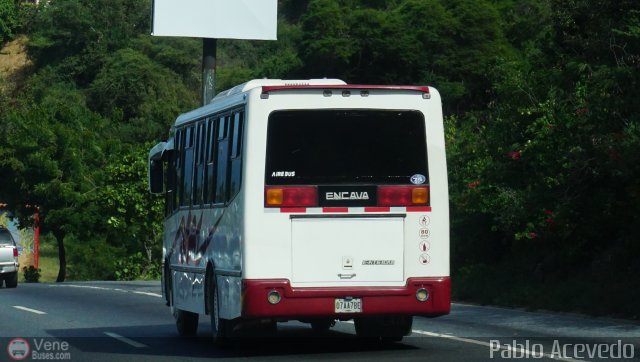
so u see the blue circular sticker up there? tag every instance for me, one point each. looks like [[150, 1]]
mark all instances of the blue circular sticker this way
[[418, 179]]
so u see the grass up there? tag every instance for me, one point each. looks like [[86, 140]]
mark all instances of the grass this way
[[48, 264], [14, 64], [49, 267]]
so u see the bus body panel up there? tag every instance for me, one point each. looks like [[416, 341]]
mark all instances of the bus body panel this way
[[299, 303], [304, 252], [200, 237], [266, 246], [347, 250]]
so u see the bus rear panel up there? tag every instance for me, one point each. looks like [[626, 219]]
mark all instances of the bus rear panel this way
[[354, 212]]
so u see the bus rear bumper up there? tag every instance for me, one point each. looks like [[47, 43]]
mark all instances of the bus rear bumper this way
[[296, 303]]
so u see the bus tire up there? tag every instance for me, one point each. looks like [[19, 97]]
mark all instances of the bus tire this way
[[384, 329], [12, 280], [167, 285], [186, 322], [221, 329]]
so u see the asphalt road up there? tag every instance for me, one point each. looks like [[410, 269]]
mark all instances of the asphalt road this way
[[128, 321]]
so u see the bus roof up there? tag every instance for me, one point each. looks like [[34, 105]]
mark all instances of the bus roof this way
[[226, 98], [245, 87], [229, 97]]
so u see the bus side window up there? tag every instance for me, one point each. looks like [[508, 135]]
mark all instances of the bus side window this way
[[188, 167], [170, 183], [179, 157], [211, 160], [222, 160], [236, 154], [199, 161]]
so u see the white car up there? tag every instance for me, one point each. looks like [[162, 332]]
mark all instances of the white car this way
[[9, 265]]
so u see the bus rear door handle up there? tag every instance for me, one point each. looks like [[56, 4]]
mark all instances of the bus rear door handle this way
[[346, 276]]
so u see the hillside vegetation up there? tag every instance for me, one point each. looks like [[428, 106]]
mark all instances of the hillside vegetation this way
[[14, 65], [542, 129]]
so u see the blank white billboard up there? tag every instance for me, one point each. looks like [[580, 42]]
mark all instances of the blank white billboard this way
[[216, 19]]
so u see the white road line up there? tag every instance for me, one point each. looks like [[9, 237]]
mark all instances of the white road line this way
[[126, 340], [78, 286], [452, 337], [29, 309], [522, 351], [103, 288], [149, 294]]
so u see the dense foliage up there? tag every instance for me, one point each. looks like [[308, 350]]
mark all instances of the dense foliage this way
[[542, 128], [31, 274], [9, 20]]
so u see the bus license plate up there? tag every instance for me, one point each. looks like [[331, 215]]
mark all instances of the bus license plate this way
[[351, 305]]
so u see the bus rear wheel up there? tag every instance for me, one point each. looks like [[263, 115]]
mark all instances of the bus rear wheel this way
[[186, 322], [221, 329]]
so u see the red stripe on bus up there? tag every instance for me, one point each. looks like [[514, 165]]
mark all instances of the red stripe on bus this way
[[273, 88], [418, 208], [377, 209], [300, 302], [293, 209], [335, 209]]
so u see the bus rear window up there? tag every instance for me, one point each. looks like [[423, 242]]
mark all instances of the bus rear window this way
[[320, 147]]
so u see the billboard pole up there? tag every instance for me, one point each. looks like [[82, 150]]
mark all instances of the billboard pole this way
[[209, 47], [210, 20]]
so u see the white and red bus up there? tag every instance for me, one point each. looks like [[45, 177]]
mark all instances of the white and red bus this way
[[309, 200]]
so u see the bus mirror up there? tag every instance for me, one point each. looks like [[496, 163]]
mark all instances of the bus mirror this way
[[156, 177], [156, 172]]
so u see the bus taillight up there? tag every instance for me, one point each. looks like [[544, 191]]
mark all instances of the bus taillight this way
[[298, 196], [403, 195]]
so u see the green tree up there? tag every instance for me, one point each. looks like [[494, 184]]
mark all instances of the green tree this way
[[100, 82], [133, 215], [8, 19], [452, 45], [327, 45], [292, 10], [77, 35], [52, 158], [139, 95], [181, 55], [544, 176]]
